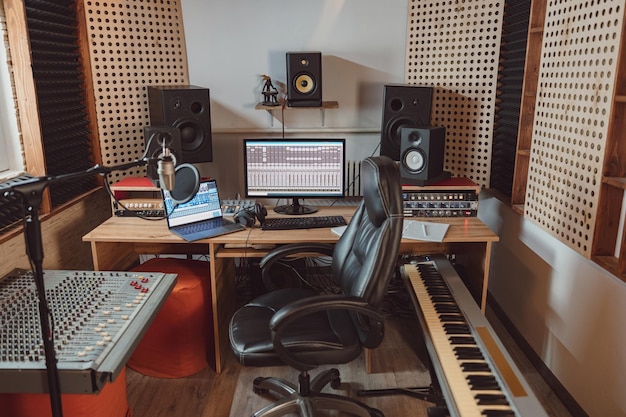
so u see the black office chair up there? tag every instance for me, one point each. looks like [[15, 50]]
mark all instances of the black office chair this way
[[304, 329]]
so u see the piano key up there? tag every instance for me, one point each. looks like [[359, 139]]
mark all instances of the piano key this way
[[451, 318], [447, 309], [462, 340], [498, 413], [453, 328], [491, 399], [489, 383], [468, 352], [475, 367]]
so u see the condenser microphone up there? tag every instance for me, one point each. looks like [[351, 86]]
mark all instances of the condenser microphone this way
[[166, 171], [181, 181]]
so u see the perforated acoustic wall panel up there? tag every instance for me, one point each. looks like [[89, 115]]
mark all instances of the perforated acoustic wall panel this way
[[454, 47], [133, 44], [576, 82]]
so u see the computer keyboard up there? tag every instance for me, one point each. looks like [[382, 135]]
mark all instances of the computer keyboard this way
[[301, 222], [230, 207]]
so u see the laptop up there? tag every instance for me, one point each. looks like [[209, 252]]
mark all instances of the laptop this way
[[201, 217]]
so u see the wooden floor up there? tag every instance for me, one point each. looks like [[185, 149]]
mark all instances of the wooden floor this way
[[229, 394]]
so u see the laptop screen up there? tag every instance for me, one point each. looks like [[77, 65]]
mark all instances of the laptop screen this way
[[205, 205]]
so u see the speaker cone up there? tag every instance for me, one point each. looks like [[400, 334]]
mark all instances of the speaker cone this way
[[393, 134], [414, 160], [304, 83], [192, 134]]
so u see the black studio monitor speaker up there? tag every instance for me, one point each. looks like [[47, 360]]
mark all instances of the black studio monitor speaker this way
[[404, 106], [304, 79], [422, 155], [187, 108]]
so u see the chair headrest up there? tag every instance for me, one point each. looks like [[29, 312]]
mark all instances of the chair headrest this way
[[379, 175]]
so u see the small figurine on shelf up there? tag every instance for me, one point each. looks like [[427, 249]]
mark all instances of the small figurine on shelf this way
[[270, 93]]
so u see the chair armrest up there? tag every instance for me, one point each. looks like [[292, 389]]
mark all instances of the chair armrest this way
[[284, 251], [301, 308]]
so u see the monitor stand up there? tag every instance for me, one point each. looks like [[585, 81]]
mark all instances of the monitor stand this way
[[295, 208]]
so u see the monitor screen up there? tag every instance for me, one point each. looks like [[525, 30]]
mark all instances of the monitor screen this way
[[294, 168]]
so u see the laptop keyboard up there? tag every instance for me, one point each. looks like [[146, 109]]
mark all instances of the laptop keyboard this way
[[202, 226]]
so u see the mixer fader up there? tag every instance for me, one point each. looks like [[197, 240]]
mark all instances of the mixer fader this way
[[98, 318]]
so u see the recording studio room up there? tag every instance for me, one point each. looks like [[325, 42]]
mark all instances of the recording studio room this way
[[324, 208]]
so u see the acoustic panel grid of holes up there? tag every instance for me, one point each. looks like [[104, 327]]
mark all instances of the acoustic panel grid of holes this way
[[575, 89], [132, 44], [454, 47]]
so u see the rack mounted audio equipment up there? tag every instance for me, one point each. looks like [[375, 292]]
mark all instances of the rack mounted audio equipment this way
[[454, 197]]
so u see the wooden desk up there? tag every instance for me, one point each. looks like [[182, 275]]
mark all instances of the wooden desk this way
[[117, 243]]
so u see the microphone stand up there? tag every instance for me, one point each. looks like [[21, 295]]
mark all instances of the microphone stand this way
[[31, 191]]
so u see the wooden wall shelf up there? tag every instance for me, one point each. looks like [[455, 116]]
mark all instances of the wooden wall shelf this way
[[271, 109]]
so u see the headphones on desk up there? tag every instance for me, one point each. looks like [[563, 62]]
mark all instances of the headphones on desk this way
[[250, 215]]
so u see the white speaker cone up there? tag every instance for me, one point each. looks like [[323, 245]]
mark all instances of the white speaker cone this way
[[414, 160]]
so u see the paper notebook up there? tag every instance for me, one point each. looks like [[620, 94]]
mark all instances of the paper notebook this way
[[415, 230], [420, 230]]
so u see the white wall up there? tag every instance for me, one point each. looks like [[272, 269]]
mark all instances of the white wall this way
[[231, 43], [569, 310]]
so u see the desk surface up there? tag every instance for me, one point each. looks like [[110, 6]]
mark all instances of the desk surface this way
[[117, 243], [130, 229]]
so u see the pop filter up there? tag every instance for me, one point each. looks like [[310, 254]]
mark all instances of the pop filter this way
[[186, 183]]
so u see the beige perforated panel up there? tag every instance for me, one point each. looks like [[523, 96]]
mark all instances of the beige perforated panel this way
[[454, 46], [133, 44], [577, 74]]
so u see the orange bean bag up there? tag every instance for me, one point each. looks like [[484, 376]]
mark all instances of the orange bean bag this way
[[110, 402], [178, 341]]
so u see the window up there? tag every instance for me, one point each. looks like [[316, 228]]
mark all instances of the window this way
[[11, 162]]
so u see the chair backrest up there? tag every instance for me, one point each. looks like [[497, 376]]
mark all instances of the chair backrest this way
[[366, 255]]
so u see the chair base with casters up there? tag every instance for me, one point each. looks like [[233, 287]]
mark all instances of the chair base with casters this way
[[306, 398]]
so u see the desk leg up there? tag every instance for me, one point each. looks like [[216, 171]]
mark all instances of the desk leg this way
[[475, 258], [224, 300], [113, 256], [486, 269]]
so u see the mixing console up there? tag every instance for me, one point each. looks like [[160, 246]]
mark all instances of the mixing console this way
[[98, 318]]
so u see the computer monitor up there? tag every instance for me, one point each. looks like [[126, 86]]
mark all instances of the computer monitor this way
[[294, 168]]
